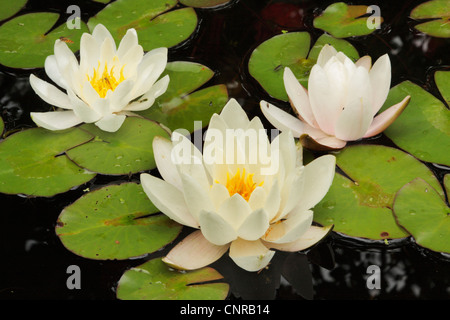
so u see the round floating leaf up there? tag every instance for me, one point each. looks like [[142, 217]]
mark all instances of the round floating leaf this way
[[204, 3], [33, 162], [422, 211], [268, 60], [342, 20], [359, 204], [423, 128], [442, 79], [179, 106], [154, 280], [128, 150], [115, 222], [155, 26], [438, 11], [27, 40], [10, 8]]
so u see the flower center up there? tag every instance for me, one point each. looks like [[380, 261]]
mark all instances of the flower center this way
[[105, 80], [242, 184]]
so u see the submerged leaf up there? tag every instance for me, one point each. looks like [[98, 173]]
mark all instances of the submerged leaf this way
[[154, 280]]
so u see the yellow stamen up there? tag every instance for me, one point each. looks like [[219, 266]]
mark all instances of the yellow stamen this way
[[104, 81], [241, 184]]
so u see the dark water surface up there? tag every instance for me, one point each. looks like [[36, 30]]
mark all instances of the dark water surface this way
[[34, 262]]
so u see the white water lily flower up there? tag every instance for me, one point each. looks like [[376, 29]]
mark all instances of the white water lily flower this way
[[105, 86], [341, 101], [244, 193]]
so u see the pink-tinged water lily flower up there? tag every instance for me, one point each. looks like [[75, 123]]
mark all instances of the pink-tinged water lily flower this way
[[341, 102], [105, 86], [245, 194]]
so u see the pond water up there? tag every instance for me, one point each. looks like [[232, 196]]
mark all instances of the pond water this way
[[34, 262]]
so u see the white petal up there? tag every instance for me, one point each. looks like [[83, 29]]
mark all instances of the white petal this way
[[111, 122], [82, 110], [323, 96], [325, 54], [196, 197], [57, 120], [162, 150], [235, 210], [194, 252], [129, 40], [100, 33], [295, 224], [168, 199], [52, 70], [49, 93], [292, 188], [298, 97], [365, 62], [254, 226], [380, 79], [218, 193], [312, 236], [89, 54], [250, 255], [386, 118], [318, 175], [67, 64], [147, 100], [282, 120], [216, 229], [355, 119], [234, 116]]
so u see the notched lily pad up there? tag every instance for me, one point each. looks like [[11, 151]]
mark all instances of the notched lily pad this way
[[359, 203], [156, 24], [442, 79], [114, 222], [27, 40], [422, 211], [33, 162], [154, 280], [437, 14], [423, 128], [180, 106], [268, 60], [10, 8], [342, 20], [129, 150]]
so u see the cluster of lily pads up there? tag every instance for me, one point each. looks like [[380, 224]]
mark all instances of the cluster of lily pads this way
[[378, 193]]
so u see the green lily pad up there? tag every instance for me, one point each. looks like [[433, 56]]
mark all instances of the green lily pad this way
[[360, 203], [442, 79], [342, 20], [129, 150], [32, 162], [204, 3], [156, 26], [422, 211], [439, 13], [2, 126], [268, 60], [154, 280], [423, 128], [10, 8], [179, 106], [25, 43], [114, 222]]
